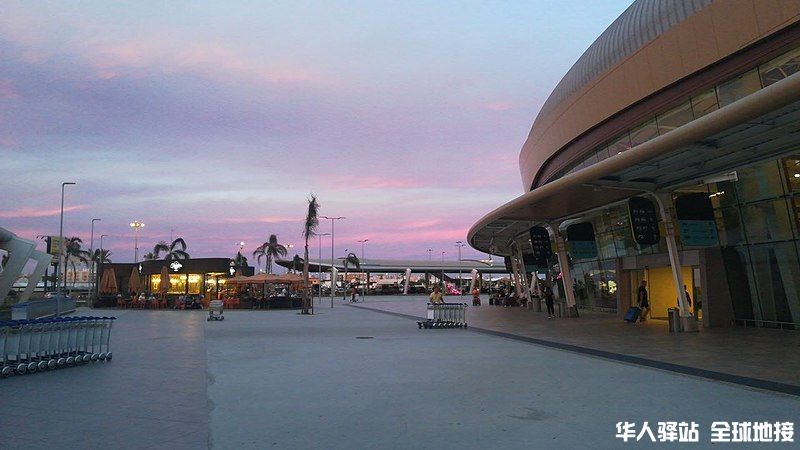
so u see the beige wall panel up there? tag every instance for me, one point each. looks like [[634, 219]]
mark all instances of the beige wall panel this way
[[769, 15], [712, 33], [687, 45], [704, 32], [735, 24], [791, 7]]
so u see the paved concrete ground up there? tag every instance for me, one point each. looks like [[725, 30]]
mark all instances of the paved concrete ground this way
[[275, 379], [760, 353]]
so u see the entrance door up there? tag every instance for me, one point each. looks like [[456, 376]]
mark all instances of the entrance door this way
[[661, 287]]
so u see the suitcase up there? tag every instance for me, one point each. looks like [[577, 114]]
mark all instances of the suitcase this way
[[633, 314]]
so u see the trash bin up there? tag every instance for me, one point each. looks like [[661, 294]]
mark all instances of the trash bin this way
[[674, 316]]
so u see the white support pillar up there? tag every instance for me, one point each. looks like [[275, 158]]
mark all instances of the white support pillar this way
[[408, 280], [523, 275], [664, 200], [43, 261], [515, 271], [19, 251], [474, 280], [563, 263]]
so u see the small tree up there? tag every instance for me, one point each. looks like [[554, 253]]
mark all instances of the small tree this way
[[350, 259], [309, 231], [271, 250]]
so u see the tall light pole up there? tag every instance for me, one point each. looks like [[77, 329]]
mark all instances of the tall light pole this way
[[363, 287], [136, 225], [444, 285], [319, 264], [459, 244], [61, 260], [333, 282], [430, 251], [101, 250], [91, 257]]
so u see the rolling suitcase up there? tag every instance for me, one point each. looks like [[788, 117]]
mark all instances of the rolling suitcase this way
[[633, 314]]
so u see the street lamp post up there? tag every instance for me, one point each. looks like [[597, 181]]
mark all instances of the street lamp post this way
[[319, 265], [136, 225], [444, 285], [91, 257], [459, 244], [363, 287], [61, 259], [430, 250], [100, 255], [333, 282]]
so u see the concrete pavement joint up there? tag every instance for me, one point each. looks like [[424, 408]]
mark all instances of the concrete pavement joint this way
[[635, 360]]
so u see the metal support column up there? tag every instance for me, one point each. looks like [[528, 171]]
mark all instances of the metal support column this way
[[664, 200], [523, 281], [563, 263], [408, 280]]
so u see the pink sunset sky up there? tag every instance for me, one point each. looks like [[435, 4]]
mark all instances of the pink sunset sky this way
[[214, 121]]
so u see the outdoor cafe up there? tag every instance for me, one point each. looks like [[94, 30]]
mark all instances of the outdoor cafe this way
[[264, 291]]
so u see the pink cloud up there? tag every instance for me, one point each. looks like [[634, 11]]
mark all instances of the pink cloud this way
[[421, 223], [33, 212], [266, 219], [343, 183], [498, 106]]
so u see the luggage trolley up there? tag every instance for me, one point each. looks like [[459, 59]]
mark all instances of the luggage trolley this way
[[215, 309], [445, 315], [28, 346]]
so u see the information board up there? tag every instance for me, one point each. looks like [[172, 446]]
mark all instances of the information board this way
[[540, 240], [581, 240], [696, 224], [644, 221]]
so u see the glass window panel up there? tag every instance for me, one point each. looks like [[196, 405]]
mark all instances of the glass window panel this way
[[591, 159], [606, 246], [607, 285], [675, 117], [602, 152], [729, 226], [776, 272], [780, 67], [704, 103], [767, 221], [722, 194], [741, 283], [739, 87], [644, 133], [791, 170], [619, 145], [759, 182]]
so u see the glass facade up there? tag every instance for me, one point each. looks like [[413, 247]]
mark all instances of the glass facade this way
[[757, 219], [696, 106]]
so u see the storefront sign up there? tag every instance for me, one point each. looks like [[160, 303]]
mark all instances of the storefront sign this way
[[696, 223], [175, 266], [580, 237], [232, 271], [540, 240], [644, 221]]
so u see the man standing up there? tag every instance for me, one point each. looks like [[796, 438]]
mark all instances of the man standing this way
[[644, 303]]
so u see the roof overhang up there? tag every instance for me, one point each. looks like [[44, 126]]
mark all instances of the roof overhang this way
[[761, 126]]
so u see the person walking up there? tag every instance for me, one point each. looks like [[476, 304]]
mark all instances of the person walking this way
[[353, 294], [644, 302], [547, 291], [476, 296], [436, 295]]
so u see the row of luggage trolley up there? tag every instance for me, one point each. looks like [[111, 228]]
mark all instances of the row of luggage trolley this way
[[445, 315], [35, 345]]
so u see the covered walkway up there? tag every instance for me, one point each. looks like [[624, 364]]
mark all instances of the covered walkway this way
[[756, 357]]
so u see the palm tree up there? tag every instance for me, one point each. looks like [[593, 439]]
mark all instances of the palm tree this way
[[101, 256], [297, 261], [75, 252], [175, 250], [309, 231], [350, 259], [270, 250], [149, 256], [240, 260]]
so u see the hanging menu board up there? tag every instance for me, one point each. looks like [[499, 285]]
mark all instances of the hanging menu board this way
[[696, 223], [644, 221], [580, 237], [542, 250]]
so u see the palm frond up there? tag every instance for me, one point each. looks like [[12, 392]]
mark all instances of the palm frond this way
[[312, 219], [178, 243]]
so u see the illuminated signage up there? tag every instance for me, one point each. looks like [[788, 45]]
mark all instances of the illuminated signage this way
[[175, 266], [232, 270], [644, 221]]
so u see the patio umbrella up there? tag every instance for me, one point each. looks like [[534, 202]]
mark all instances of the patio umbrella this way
[[108, 283], [163, 287], [134, 284]]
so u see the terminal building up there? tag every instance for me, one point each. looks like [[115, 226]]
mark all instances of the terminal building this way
[[669, 153]]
